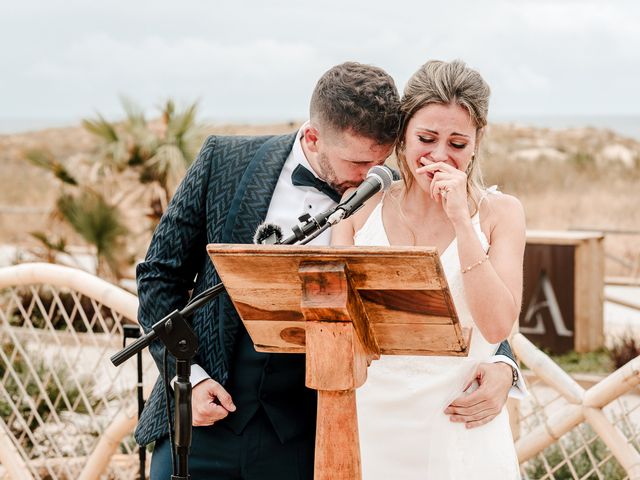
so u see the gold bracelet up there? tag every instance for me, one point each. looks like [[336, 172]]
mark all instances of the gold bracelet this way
[[479, 262]]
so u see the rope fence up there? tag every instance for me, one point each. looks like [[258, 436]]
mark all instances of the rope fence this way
[[66, 412]]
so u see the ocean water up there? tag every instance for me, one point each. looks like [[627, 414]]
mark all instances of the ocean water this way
[[626, 125]]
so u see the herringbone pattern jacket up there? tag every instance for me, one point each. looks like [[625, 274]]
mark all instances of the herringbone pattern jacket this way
[[222, 199]]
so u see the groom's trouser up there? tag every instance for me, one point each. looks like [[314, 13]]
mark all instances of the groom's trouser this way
[[217, 453]]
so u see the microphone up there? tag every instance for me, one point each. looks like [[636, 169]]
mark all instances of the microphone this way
[[378, 178], [268, 234]]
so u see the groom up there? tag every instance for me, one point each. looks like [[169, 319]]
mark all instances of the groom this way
[[253, 416]]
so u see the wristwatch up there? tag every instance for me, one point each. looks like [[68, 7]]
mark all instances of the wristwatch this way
[[516, 376]]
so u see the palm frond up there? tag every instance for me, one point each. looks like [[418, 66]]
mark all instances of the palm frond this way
[[45, 159], [102, 128], [167, 167], [182, 122], [135, 115], [168, 111], [97, 221], [57, 244], [184, 132]]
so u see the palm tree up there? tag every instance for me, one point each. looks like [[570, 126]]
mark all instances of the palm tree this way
[[135, 160], [160, 151], [122, 145], [181, 138]]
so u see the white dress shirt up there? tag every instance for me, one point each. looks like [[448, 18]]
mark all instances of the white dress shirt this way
[[289, 201]]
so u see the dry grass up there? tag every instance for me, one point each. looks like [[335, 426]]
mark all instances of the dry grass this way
[[579, 191]]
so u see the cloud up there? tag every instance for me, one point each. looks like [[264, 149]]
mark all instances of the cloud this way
[[257, 60]]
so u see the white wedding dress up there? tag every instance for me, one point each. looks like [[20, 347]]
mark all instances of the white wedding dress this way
[[404, 432]]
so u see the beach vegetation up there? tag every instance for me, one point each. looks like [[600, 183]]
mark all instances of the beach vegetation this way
[[131, 174], [580, 453]]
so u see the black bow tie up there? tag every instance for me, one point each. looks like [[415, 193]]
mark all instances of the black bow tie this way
[[303, 177]]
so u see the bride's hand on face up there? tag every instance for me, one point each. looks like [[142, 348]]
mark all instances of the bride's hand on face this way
[[448, 187]]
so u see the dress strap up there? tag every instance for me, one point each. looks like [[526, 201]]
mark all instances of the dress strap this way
[[492, 190]]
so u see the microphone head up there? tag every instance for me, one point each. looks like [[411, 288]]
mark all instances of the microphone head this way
[[383, 174], [267, 233]]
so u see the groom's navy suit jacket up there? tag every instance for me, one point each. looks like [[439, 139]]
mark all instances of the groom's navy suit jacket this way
[[224, 196]]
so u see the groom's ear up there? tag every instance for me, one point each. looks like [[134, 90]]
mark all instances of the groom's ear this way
[[311, 136]]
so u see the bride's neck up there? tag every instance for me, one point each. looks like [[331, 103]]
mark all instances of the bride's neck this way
[[418, 203]]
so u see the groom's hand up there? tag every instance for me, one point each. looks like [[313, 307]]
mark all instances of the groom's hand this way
[[210, 402], [485, 403]]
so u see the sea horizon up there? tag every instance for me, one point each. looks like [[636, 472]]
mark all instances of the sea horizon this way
[[625, 125]]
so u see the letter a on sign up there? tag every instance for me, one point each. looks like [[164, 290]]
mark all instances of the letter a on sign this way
[[544, 298]]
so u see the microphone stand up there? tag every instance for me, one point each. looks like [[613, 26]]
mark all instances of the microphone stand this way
[[180, 340]]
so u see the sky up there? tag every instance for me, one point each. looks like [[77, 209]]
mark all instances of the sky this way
[[259, 60]]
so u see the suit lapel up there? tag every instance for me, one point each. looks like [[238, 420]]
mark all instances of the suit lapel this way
[[251, 202], [247, 210]]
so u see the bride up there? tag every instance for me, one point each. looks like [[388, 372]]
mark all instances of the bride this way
[[480, 236]]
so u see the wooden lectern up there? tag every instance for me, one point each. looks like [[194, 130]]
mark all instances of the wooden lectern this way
[[343, 307]]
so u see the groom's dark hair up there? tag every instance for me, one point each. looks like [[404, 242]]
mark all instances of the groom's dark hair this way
[[359, 98]]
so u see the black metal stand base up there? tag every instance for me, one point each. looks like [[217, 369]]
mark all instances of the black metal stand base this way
[[179, 339]]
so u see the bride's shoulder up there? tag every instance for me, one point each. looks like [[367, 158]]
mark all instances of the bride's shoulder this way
[[498, 208]]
